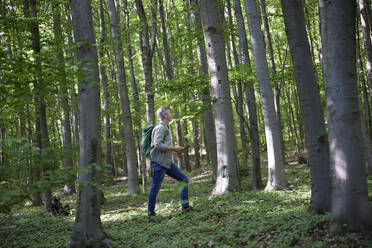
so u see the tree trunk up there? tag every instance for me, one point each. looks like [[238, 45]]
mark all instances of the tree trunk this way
[[124, 100], [209, 127], [350, 210], [227, 178], [74, 98], [238, 93], [2, 143], [136, 100], [268, 37], [170, 75], [187, 147], [276, 177], [40, 103], [366, 21], [311, 109], [195, 129], [250, 100], [190, 69], [88, 231], [147, 52], [69, 188], [273, 71], [106, 94], [293, 121]]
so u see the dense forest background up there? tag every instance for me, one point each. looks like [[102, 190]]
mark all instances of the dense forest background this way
[[255, 86]]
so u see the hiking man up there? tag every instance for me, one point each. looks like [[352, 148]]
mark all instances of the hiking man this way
[[161, 160]]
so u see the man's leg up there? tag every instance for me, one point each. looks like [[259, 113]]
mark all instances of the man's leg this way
[[177, 174], [157, 179]]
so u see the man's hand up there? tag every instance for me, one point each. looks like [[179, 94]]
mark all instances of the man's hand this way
[[176, 149]]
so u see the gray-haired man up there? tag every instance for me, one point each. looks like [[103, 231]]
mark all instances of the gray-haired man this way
[[161, 160]]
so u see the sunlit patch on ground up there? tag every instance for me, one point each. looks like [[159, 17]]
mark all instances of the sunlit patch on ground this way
[[251, 218]]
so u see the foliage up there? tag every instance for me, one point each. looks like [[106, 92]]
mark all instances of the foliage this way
[[252, 218]]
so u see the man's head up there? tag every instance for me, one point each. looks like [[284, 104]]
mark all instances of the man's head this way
[[164, 114]]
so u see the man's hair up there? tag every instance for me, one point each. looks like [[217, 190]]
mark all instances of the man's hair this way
[[161, 112]]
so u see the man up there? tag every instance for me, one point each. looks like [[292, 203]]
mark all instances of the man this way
[[161, 160]]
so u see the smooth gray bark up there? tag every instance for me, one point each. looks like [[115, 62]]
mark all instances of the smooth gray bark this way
[[311, 109], [350, 209], [227, 178], [273, 71], [124, 100], [250, 99], [88, 231], [276, 177], [209, 127]]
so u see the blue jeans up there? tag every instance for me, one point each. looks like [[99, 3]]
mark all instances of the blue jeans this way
[[157, 179]]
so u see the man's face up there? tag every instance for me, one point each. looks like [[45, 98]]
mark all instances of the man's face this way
[[168, 115]]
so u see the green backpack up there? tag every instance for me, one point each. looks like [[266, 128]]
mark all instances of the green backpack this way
[[146, 138]]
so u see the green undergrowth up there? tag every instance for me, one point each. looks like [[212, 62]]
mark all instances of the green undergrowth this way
[[251, 218]]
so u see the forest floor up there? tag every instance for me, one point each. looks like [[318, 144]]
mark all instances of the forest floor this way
[[251, 218]]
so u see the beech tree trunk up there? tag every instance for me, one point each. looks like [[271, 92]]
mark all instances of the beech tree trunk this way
[[209, 127], [136, 100], [250, 100], [227, 177], [276, 177], [311, 109], [273, 71], [88, 231], [350, 209], [124, 100]]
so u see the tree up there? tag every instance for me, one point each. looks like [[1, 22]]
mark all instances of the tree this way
[[350, 207], [250, 99], [136, 99], [311, 109], [69, 188], [88, 231], [366, 21], [227, 178], [106, 94], [209, 127], [147, 52], [124, 100], [42, 128], [276, 177]]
